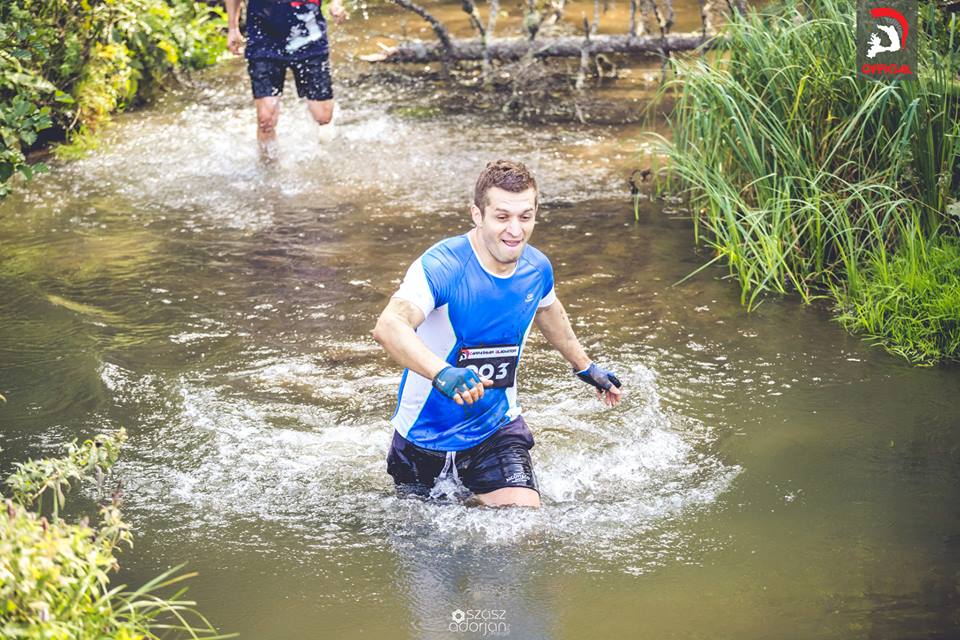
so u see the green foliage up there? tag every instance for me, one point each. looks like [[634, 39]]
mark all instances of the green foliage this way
[[68, 64], [55, 575], [803, 175], [37, 479], [20, 122], [83, 141], [911, 303]]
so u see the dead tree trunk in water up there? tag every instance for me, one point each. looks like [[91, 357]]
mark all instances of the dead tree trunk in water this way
[[487, 48], [560, 47]]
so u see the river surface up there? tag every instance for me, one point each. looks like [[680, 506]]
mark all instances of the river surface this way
[[767, 475]]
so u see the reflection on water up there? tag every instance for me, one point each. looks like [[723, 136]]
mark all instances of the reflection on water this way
[[765, 470], [473, 591]]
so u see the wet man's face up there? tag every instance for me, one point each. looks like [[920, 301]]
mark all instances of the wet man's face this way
[[507, 223]]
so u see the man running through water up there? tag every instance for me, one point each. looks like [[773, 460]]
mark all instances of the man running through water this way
[[458, 323], [281, 34]]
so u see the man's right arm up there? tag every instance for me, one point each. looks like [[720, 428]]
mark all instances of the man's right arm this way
[[234, 39], [396, 331]]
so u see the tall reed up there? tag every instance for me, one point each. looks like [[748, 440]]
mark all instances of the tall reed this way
[[803, 176]]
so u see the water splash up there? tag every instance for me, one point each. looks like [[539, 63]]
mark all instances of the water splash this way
[[616, 486]]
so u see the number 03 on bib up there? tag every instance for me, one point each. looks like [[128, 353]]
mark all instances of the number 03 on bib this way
[[497, 363]]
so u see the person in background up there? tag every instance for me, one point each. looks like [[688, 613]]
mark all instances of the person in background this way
[[285, 34]]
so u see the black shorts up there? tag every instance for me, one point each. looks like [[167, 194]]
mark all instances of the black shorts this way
[[311, 75], [502, 460]]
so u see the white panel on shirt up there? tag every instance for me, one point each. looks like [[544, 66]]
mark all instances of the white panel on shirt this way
[[548, 299], [416, 289], [437, 333]]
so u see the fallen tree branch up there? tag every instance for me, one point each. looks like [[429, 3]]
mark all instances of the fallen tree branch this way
[[470, 8], [705, 21], [516, 48], [555, 12], [487, 35], [442, 34], [585, 51]]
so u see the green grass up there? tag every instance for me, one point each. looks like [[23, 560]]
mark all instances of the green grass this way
[[910, 304], [804, 177]]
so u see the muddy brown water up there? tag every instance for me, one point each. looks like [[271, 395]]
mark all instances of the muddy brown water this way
[[766, 476]]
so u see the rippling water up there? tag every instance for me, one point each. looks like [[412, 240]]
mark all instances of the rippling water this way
[[767, 475]]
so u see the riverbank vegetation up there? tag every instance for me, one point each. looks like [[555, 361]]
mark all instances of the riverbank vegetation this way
[[805, 178], [55, 575], [65, 65]]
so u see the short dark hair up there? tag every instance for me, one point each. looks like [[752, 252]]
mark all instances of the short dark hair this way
[[507, 175]]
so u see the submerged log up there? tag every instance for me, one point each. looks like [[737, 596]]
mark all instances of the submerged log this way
[[516, 48]]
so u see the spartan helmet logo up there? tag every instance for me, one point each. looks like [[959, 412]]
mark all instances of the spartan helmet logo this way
[[895, 41]]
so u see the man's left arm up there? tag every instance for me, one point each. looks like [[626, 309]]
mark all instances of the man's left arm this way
[[554, 324], [234, 39]]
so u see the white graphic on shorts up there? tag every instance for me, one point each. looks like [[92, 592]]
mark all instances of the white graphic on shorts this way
[[878, 47], [303, 34]]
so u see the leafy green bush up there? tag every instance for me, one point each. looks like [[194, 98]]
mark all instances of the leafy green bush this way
[[55, 576], [20, 122], [70, 64]]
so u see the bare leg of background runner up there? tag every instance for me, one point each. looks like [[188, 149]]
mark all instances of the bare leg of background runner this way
[[322, 113], [268, 113]]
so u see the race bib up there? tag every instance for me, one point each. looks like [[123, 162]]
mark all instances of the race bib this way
[[498, 363]]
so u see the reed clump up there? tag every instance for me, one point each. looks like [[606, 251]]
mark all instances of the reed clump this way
[[805, 178]]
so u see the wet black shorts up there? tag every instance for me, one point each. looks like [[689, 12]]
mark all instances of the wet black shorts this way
[[311, 75], [502, 460]]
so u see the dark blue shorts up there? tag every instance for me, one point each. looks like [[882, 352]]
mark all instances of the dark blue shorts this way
[[312, 77], [502, 460]]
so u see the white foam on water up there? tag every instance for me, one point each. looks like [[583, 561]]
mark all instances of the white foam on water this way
[[203, 163], [615, 482], [614, 486]]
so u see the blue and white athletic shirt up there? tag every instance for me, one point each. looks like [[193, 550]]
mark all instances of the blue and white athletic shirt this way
[[475, 319]]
